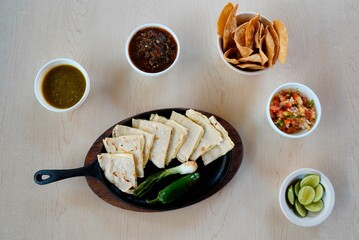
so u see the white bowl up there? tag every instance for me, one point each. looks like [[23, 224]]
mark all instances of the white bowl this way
[[40, 78], [312, 219], [147, 26], [242, 18], [305, 91]]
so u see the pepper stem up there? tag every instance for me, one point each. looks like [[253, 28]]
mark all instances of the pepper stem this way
[[156, 200]]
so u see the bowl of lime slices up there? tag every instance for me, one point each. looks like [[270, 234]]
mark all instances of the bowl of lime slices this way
[[306, 197]]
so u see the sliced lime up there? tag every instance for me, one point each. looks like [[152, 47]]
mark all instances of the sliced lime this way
[[297, 188], [306, 195], [300, 209], [310, 180], [290, 194], [315, 206], [319, 190]]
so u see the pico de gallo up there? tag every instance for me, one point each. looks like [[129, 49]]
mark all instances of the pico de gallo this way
[[292, 112]]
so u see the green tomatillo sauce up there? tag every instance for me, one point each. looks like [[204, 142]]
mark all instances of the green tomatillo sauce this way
[[63, 86]]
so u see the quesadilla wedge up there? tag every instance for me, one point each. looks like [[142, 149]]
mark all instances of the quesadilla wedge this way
[[225, 146], [121, 130], [195, 133], [131, 144], [178, 136], [211, 136], [162, 139], [119, 169]]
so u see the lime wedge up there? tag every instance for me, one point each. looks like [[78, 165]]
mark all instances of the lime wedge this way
[[290, 194], [306, 195], [319, 190], [297, 188], [300, 209], [310, 180], [315, 206]]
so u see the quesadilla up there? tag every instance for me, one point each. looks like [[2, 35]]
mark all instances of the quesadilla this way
[[195, 133], [121, 130], [119, 169], [225, 146], [178, 136], [131, 144], [211, 136], [162, 139]]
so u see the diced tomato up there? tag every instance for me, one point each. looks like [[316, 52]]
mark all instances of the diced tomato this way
[[276, 103], [280, 114], [295, 95], [274, 109], [287, 122]]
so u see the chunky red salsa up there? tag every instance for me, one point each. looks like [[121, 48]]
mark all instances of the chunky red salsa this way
[[152, 49], [292, 112]]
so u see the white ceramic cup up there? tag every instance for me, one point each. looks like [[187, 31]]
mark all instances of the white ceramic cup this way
[[242, 18], [313, 218], [148, 26], [40, 78], [305, 91]]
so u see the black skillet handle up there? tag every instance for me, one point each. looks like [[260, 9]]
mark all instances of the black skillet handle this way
[[45, 176]]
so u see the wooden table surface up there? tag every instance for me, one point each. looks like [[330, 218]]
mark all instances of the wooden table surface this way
[[323, 54]]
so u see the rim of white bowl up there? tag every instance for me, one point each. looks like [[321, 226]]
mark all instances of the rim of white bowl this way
[[40, 78], [249, 15], [328, 199], [305, 90], [147, 25]]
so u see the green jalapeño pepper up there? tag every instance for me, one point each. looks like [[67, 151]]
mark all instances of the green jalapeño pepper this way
[[176, 189]]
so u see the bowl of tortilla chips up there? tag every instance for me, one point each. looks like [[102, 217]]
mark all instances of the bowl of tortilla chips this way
[[250, 43]]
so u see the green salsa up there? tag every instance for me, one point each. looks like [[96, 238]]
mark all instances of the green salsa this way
[[63, 86]]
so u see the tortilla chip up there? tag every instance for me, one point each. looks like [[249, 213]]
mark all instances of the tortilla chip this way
[[232, 56], [250, 30], [240, 33], [275, 37], [251, 66], [269, 46], [231, 24], [245, 52], [257, 35], [261, 53], [283, 40], [240, 40], [252, 58], [221, 22]]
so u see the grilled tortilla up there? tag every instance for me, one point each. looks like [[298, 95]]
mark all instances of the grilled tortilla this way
[[178, 136], [225, 146], [195, 133], [120, 170], [162, 139], [211, 136], [121, 130], [131, 144]]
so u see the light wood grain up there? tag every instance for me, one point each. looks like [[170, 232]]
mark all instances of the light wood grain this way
[[323, 54]]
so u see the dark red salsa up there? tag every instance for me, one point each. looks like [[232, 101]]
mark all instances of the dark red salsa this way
[[152, 49]]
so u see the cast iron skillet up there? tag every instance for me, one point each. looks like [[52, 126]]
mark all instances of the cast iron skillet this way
[[213, 176]]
